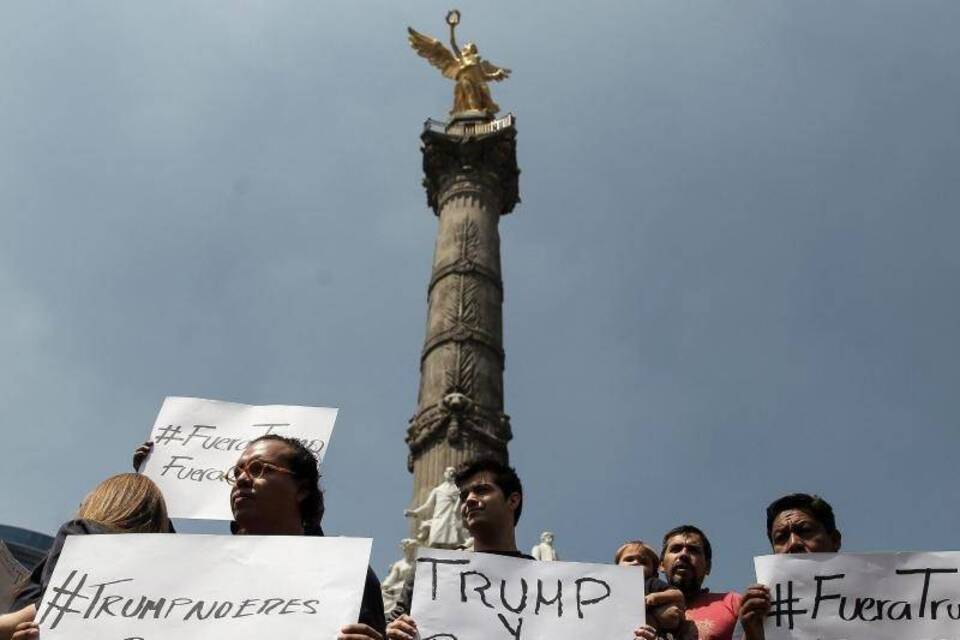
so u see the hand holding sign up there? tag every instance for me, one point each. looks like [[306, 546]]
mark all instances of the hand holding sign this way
[[196, 441], [478, 596], [868, 596], [155, 586], [141, 453], [26, 631]]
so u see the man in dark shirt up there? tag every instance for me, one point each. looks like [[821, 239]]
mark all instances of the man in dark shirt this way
[[276, 491], [491, 499]]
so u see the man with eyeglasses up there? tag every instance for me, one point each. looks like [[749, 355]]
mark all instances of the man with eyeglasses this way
[[276, 491]]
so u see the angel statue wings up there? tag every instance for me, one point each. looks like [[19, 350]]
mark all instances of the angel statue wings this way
[[471, 96]]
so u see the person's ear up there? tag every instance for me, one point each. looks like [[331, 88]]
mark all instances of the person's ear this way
[[513, 502], [836, 537], [302, 493]]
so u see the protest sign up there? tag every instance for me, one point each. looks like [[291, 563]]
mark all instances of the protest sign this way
[[481, 596], [196, 441], [196, 587], [862, 596], [12, 573]]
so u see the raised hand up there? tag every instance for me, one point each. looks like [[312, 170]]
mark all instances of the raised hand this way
[[140, 454], [26, 631], [403, 628], [753, 611], [645, 632], [359, 632]]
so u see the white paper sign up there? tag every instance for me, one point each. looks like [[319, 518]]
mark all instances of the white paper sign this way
[[862, 596], [481, 596], [197, 440], [198, 587], [12, 573]]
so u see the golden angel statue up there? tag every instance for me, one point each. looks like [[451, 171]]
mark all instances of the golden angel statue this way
[[471, 72]]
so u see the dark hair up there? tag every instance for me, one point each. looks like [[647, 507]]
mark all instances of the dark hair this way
[[687, 529], [504, 476], [814, 505], [305, 467]]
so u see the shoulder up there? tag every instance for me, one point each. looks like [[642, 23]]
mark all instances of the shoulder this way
[[80, 528], [733, 599], [729, 599], [31, 591], [74, 528]]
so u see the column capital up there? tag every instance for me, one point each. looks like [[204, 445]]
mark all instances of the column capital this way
[[464, 156]]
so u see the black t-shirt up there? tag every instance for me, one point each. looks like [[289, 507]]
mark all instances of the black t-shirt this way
[[371, 606]]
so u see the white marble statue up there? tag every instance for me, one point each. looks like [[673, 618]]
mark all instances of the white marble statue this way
[[392, 585], [441, 526], [545, 550]]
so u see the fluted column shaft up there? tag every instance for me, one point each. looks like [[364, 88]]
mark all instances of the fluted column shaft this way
[[471, 181]]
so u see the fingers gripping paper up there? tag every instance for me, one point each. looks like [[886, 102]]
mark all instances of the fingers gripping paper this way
[[862, 596], [196, 441], [193, 587], [481, 596]]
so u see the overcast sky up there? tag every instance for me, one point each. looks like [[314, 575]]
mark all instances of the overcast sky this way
[[733, 274]]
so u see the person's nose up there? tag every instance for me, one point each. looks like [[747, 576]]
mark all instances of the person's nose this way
[[795, 544], [244, 479]]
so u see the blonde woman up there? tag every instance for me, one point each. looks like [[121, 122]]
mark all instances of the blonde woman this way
[[125, 503]]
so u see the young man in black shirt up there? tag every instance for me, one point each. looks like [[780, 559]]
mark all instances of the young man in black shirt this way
[[491, 499]]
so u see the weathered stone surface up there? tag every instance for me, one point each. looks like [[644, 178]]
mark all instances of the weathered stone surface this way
[[471, 179]]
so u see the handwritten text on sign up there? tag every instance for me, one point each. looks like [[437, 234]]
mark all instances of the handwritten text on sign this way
[[862, 596], [186, 587], [478, 596], [196, 441]]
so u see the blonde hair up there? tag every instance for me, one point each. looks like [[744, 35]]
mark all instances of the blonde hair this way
[[645, 549], [127, 502]]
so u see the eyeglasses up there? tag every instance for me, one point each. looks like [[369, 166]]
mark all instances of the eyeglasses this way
[[254, 470]]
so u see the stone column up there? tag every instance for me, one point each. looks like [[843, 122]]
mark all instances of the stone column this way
[[471, 179]]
